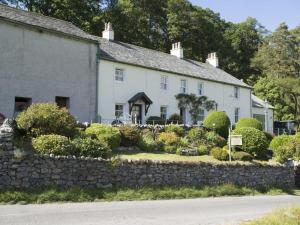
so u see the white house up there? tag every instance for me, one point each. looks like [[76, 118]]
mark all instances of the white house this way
[[143, 82]]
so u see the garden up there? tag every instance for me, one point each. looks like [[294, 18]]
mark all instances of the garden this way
[[47, 129]]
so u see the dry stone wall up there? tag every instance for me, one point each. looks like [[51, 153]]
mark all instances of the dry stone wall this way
[[19, 171]]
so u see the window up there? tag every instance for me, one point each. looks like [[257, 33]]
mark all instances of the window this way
[[201, 116], [200, 88], [236, 92], [119, 110], [62, 102], [163, 112], [236, 114], [183, 86], [261, 118], [163, 82], [21, 104], [119, 74]]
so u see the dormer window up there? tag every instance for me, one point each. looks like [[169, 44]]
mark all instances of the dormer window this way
[[183, 86], [119, 75], [163, 82], [236, 93]]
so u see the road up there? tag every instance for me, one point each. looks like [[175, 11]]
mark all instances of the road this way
[[225, 210]]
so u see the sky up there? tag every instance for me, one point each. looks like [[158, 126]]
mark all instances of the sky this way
[[270, 13]]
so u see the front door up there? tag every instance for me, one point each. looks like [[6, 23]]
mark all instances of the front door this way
[[136, 113]]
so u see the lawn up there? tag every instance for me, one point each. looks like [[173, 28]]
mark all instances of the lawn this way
[[161, 156], [52, 194], [289, 216]]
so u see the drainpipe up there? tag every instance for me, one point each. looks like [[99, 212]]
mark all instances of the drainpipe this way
[[97, 81]]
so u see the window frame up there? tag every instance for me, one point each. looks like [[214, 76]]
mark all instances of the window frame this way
[[118, 110], [183, 87], [164, 82], [26, 100], [237, 114], [65, 98], [202, 115], [165, 117], [236, 92], [116, 76], [200, 84]]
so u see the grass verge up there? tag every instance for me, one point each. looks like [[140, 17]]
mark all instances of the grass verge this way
[[289, 216], [52, 194]]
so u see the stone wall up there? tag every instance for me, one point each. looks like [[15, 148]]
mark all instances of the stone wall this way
[[297, 175], [17, 170]]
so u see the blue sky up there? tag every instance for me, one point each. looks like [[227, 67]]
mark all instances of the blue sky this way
[[270, 13]]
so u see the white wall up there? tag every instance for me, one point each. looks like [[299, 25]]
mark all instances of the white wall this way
[[261, 111], [138, 79], [41, 65]]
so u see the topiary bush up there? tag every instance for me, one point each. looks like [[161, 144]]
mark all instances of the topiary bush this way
[[219, 122], [196, 134], [279, 141], [175, 118], [89, 147], [176, 129], [203, 150], [147, 143], [107, 133], [46, 118], [242, 156], [220, 154], [213, 139], [153, 120], [130, 135], [170, 149], [249, 122], [53, 144], [254, 141], [169, 138]]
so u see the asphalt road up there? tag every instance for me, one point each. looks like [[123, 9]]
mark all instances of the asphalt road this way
[[225, 210]]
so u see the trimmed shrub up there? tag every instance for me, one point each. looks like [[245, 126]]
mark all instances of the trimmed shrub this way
[[89, 147], [254, 141], [279, 141], [53, 144], [147, 143], [107, 133], [242, 156], [196, 134], [130, 136], [249, 122], [46, 118], [176, 129], [215, 140], [169, 138], [284, 152], [170, 149], [203, 150], [219, 122], [153, 120], [175, 118], [220, 154]]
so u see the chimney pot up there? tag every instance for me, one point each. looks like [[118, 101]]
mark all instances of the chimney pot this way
[[177, 50], [212, 59], [108, 32]]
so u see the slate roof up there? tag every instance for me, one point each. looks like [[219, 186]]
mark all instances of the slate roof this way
[[135, 55], [259, 103], [43, 22]]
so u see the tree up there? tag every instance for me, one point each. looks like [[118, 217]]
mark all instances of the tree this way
[[194, 104]]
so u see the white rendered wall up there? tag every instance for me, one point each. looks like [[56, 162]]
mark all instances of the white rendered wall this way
[[138, 79]]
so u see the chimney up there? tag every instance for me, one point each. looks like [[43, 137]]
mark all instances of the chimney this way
[[108, 33], [177, 50], [212, 59]]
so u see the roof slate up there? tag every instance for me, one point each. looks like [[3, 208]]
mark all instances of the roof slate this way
[[44, 22], [132, 54]]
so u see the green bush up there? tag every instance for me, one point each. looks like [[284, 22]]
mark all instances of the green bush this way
[[284, 152], [269, 136], [242, 156], [249, 122], [203, 150], [176, 129], [130, 135], [53, 144], [279, 141], [169, 138], [89, 147], [155, 120], [214, 139], [196, 134], [254, 141], [184, 142], [220, 154], [175, 118], [107, 133], [219, 122], [170, 149], [46, 118], [147, 143]]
